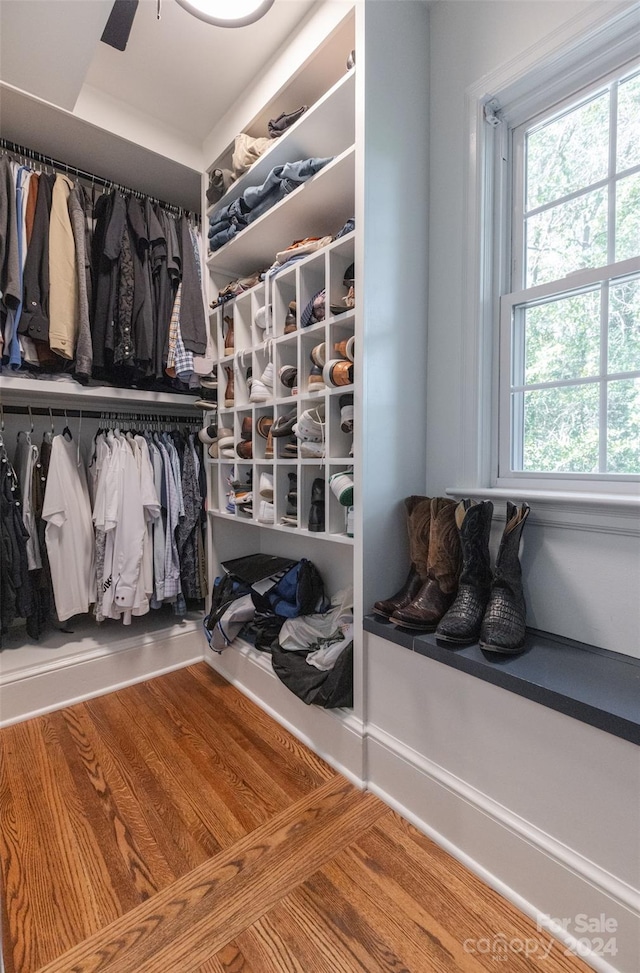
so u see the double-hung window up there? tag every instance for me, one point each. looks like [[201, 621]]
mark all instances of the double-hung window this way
[[569, 307]]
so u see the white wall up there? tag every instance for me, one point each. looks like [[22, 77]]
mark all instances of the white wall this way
[[545, 808], [579, 584]]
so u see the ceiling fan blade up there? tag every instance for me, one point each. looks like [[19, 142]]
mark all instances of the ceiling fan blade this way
[[118, 26]]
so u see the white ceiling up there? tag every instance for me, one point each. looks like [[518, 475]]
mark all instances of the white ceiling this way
[[176, 79], [186, 73]]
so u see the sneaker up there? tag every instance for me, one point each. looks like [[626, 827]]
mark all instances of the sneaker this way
[[288, 375], [338, 371], [316, 510], [346, 412], [208, 434], [225, 437], [263, 426], [244, 449], [208, 399], [311, 450], [342, 488], [266, 486], [315, 382], [319, 354], [291, 321], [210, 381], [266, 512], [262, 388], [284, 424], [261, 317], [310, 426]]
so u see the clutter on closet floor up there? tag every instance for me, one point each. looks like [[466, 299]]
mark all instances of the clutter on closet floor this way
[[113, 525], [279, 606]]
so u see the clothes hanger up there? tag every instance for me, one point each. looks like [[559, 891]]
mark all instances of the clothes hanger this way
[[66, 432]]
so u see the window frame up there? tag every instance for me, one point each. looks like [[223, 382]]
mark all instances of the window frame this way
[[520, 295], [583, 51]]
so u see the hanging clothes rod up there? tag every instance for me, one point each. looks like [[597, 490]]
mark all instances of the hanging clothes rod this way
[[107, 415], [46, 160]]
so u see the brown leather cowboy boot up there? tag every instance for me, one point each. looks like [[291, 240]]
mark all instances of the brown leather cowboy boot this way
[[443, 569], [418, 520]]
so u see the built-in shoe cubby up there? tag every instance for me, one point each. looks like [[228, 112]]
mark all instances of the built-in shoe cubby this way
[[293, 364]]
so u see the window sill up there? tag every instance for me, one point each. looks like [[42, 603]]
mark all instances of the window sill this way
[[590, 684], [607, 512]]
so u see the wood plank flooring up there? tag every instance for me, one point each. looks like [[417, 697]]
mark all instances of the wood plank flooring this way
[[174, 827]]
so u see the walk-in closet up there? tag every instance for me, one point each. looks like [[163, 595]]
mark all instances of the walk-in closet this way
[[250, 320]]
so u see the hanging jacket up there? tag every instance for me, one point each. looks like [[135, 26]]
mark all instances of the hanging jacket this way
[[35, 312]]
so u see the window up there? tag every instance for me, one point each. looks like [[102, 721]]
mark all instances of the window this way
[[569, 351], [570, 363]]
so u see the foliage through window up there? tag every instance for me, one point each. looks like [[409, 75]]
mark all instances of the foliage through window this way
[[570, 328]]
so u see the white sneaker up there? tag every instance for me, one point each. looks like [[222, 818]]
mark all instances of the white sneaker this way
[[266, 486], [311, 450], [262, 388], [266, 512], [310, 426]]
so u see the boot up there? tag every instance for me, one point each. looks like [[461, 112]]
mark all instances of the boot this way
[[462, 622], [228, 338], [443, 568], [229, 394], [418, 520], [316, 510], [503, 625]]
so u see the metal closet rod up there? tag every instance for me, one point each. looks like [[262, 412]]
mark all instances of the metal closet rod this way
[[47, 160], [108, 415]]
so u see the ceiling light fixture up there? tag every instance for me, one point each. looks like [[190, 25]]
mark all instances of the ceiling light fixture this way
[[227, 13]]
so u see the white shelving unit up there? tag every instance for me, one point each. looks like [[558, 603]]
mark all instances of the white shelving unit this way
[[319, 207]]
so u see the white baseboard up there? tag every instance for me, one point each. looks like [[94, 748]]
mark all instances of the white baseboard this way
[[507, 852], [335, 735], [73, 678]]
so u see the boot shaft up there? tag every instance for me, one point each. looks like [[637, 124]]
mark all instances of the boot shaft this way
[[418, 526], [474, 527], [444, 545], [508, 572]]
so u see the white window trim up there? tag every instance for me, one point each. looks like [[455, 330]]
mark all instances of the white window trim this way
[[604, 33]]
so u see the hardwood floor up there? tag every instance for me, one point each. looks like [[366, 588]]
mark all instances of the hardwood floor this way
[[174, 826]]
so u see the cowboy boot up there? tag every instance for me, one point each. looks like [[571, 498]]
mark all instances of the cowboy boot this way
[[229, 393], [418, 520], [503, 625], [461, 624], [443, 568]]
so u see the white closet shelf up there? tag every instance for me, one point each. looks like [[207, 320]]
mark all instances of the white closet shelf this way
[[40, 393], [319, 207], [325, 535], [327, 128]]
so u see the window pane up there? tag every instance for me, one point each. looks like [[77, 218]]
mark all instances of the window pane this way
[[628, 124], [569, 153], [561, 430], [623, 426], [567, 237], [624, 327], [628, 217], [562, 339]]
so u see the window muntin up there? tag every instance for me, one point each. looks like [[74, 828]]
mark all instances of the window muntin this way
[[570, 358]]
